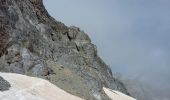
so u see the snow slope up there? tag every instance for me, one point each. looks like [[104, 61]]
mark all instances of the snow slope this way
[[30, 88]]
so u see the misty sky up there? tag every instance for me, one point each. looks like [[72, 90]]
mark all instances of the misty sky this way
[[132, 36]]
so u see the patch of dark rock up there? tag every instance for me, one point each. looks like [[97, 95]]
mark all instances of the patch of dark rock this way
[[4, 85], [62, 67], [78, 48], [48, 71]]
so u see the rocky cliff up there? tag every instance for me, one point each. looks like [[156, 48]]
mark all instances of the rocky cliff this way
[[35, 44]]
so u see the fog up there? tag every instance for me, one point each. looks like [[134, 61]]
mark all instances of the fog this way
[[132, 36]]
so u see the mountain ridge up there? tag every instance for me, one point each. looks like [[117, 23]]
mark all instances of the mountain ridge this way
[[35, 44]]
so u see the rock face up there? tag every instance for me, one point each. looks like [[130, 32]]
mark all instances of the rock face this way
[[35, 44]]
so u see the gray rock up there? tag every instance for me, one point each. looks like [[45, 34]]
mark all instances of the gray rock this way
[[33, 43], [4, 85]]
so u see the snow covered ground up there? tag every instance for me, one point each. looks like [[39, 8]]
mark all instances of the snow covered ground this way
[[116, 95], [31, 88]]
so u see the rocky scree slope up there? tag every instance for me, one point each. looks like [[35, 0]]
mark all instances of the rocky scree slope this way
[[33, 43]]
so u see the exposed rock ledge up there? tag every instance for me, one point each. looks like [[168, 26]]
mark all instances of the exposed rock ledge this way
[[31, 88]]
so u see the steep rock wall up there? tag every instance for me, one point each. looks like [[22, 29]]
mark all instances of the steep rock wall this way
[[35, 44]]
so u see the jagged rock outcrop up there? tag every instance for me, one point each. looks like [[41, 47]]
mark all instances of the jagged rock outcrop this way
[[35, 44], [4, 85]]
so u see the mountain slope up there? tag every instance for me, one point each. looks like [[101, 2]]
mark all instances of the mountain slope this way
[[35, 44]]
